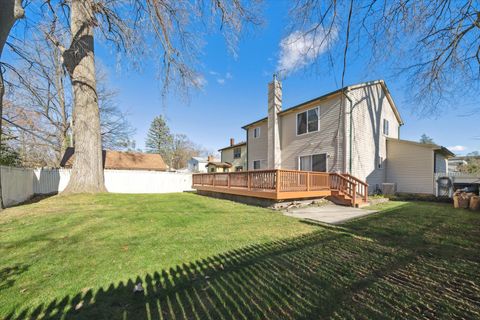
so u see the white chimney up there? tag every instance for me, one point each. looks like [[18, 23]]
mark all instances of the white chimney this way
[[274, 157]]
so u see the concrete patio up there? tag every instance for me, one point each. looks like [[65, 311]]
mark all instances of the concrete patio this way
[[332, 214]]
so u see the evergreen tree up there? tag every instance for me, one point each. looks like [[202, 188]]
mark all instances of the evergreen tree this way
[[426, 139], [160, 140]]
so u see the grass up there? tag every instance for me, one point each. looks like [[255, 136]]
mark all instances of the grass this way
[[202, 258]]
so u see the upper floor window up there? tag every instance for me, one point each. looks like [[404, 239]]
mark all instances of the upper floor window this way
[[385, 127], [237, 153], [256, 132], [308, 121]]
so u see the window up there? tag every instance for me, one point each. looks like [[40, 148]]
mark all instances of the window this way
[[380, 162], [385, 127], [308, 121], [239, 168], [256, 132], [237, 153], [315, 162], [256, 164], [212, 169]]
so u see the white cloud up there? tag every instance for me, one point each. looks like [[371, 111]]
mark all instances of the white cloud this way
[[213, 73], [298, 50], [228, 75], [221, 81], [457, 148]]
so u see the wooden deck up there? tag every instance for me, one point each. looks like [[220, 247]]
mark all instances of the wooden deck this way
[[284, 185]]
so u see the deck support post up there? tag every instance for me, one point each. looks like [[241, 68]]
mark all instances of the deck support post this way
[[228, 179], [249, 181], [308, 181]]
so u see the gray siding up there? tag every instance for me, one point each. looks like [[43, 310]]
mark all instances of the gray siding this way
[[257, 147], [410, 167], [370, 108], [328, 139]]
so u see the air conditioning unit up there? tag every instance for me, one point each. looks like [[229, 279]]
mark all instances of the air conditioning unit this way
[[388, 188]]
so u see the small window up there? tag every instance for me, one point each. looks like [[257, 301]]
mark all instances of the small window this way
[[256, 164], [380, 162], [212, 169], [385, 127], [256, 132], [237, 153], [308, 121], [239, 168]]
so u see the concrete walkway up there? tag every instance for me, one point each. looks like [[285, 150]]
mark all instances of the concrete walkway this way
[[329, 214]]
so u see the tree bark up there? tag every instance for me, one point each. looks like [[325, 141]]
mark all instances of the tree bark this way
[[87, 171], [10, 11]]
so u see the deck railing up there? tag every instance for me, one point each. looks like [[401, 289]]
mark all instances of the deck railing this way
[[281, 181]]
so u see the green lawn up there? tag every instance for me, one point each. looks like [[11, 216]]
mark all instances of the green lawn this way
[[201, 258]]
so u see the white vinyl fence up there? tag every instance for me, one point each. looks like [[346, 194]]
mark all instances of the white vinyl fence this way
[[20, 184]]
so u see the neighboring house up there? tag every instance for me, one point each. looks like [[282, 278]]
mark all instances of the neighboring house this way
[[236, 155], [122, 160], [352, 130], [197, 164], [455, 163], [213, 165]]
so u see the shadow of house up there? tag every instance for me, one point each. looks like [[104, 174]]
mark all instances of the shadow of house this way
[[360, 270]]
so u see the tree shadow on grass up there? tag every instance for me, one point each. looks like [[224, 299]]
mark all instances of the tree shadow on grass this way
[[8, 275], [332, 273]]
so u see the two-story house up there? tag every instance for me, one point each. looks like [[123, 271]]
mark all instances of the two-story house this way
[[353, 130], [235, 154]]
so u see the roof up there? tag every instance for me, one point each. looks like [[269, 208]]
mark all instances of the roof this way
[[339, 91], [200, 159], [235, 145], [122, 160], [433, 146], [219, 164]]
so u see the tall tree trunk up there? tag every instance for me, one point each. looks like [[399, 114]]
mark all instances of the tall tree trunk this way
[[10, 11], [60, 89], [87, 171]]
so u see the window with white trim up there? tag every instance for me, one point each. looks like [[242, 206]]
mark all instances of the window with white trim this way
[[314, 162], [308, 121], [386, 126], [256, 164], [256, 132], [237, 153]]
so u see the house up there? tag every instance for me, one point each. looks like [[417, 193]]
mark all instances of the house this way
[[213, 165], [455, 163], [342, 145], [353, 130], [122, 160], [235, 154], [197, 164]]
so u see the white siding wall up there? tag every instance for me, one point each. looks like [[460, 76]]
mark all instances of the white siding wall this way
[[328, 139], [370, 107], [410, 167], [257, 147]]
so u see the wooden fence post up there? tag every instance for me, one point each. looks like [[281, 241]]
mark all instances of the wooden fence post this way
[[248, 181], [308, 181]]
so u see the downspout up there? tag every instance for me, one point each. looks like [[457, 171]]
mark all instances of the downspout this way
[[246, 130]]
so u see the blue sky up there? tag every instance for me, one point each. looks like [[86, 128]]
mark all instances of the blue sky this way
[[236, 92]]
